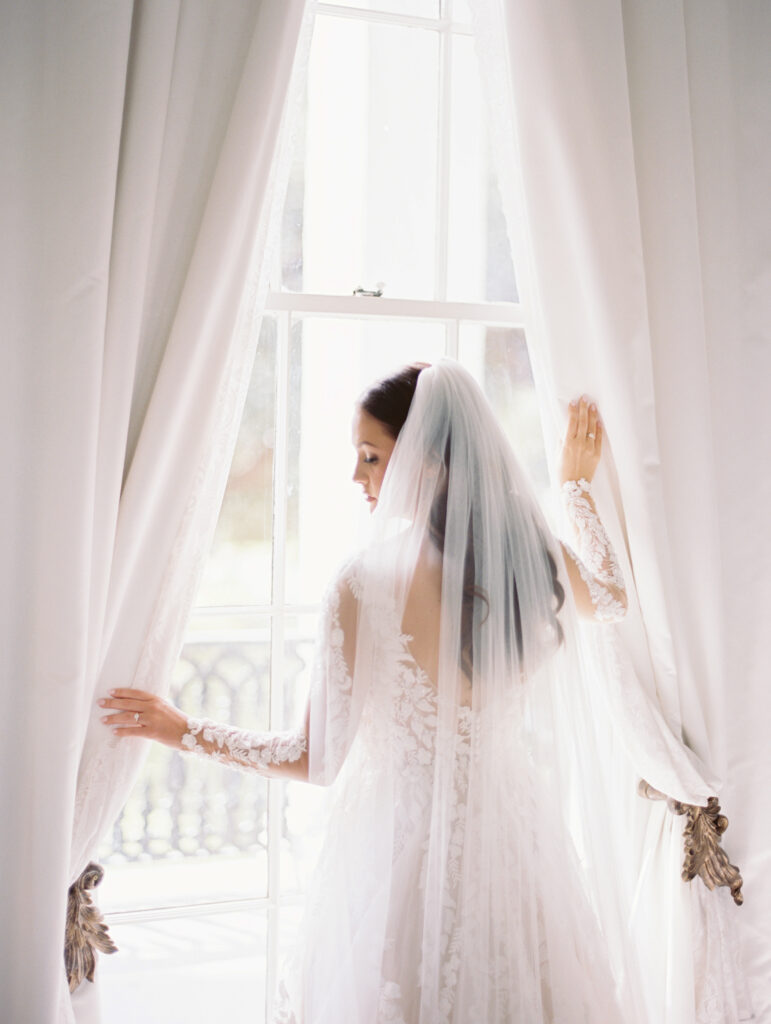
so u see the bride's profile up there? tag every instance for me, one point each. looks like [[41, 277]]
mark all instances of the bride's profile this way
[[446, 672]]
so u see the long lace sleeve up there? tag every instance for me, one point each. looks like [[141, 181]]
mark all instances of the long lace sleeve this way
[[596, 562], [315, 752], [260, 752]]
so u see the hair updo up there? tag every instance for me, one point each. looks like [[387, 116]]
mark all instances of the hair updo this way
[[388, 401]]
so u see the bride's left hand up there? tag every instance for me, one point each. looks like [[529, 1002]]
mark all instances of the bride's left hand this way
[[158, 719], [582, 447]]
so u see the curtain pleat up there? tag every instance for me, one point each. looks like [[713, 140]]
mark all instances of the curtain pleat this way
[[148, 149], [617, 129]]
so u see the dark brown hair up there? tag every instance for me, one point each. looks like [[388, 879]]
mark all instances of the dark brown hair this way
[[389, 400]]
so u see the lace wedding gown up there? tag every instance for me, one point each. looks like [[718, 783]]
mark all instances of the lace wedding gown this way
[[375, 946]]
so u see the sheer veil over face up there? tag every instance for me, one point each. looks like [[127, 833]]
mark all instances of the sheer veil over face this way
[[448, 709]]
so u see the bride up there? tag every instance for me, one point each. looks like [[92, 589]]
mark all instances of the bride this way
[[445, 710]]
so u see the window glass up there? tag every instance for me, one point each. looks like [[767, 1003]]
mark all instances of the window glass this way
[[331, 361], [498, 358], [479, 264], [362, 200], [303, 805], [461, 12], [237, 571], [206, 966], [192, 831]]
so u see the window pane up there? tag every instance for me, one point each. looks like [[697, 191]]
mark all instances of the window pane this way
[[498, 358], [290, 920], [291, 934], [331, 361], [193, 830], [479, 265], [461, 12], [303, 805], [238, 569], [206, 967], [368, 164]]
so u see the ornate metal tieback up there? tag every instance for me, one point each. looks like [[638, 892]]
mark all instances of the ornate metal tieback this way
[[86, 930], [704, 856]]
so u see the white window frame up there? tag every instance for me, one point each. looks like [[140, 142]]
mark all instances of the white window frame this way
[[289, 308]]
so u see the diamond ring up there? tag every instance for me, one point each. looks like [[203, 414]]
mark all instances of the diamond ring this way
[[136, 716]]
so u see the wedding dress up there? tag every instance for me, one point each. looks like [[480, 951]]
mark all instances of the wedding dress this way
[[446, 711]]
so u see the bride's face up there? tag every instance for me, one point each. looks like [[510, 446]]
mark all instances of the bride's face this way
[[374, 446]]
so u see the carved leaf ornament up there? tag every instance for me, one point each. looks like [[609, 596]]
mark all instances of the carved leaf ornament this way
[[704, 856], [85, 929]]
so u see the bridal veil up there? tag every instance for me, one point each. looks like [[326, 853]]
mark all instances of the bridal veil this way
[[470, 867]]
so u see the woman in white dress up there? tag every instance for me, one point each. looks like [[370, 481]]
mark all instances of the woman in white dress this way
[[445, 709]]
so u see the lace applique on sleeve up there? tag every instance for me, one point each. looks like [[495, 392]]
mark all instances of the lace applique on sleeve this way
[[240, 748], [328, 720], [596, 560]]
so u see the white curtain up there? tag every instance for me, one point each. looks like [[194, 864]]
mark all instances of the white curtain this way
[[633, 146], [144, 145]]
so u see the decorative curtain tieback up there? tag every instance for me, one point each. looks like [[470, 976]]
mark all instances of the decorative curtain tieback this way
[[704, 856], [86, 930]]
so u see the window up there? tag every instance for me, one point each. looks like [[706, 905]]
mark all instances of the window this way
[[392, 189]]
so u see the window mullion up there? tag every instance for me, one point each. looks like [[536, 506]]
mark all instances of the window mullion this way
[[443, 165], [451, 343], [275, 792], [280, 473]]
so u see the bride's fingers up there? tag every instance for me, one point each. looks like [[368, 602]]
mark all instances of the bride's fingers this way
[[572, 427], [135, 730], [127, 699], [583, 418], [591, 422], [122, 718], [124, 704]]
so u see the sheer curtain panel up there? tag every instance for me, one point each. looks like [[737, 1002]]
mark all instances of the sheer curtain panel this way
[[144, 145], [633, 146]]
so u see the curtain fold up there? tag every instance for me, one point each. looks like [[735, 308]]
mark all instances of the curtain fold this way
[[613, 125], [149, 145]]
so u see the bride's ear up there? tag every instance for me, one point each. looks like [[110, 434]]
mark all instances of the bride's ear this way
[[433, 468]]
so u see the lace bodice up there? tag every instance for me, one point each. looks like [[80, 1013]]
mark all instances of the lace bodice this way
[[596, 560]]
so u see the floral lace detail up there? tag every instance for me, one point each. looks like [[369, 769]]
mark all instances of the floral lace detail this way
[[416, 718], [240, 748], [389, 1009], [596, 561]]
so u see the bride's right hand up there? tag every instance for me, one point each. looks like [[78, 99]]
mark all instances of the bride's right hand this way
[[144, 715], [582, 446]]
